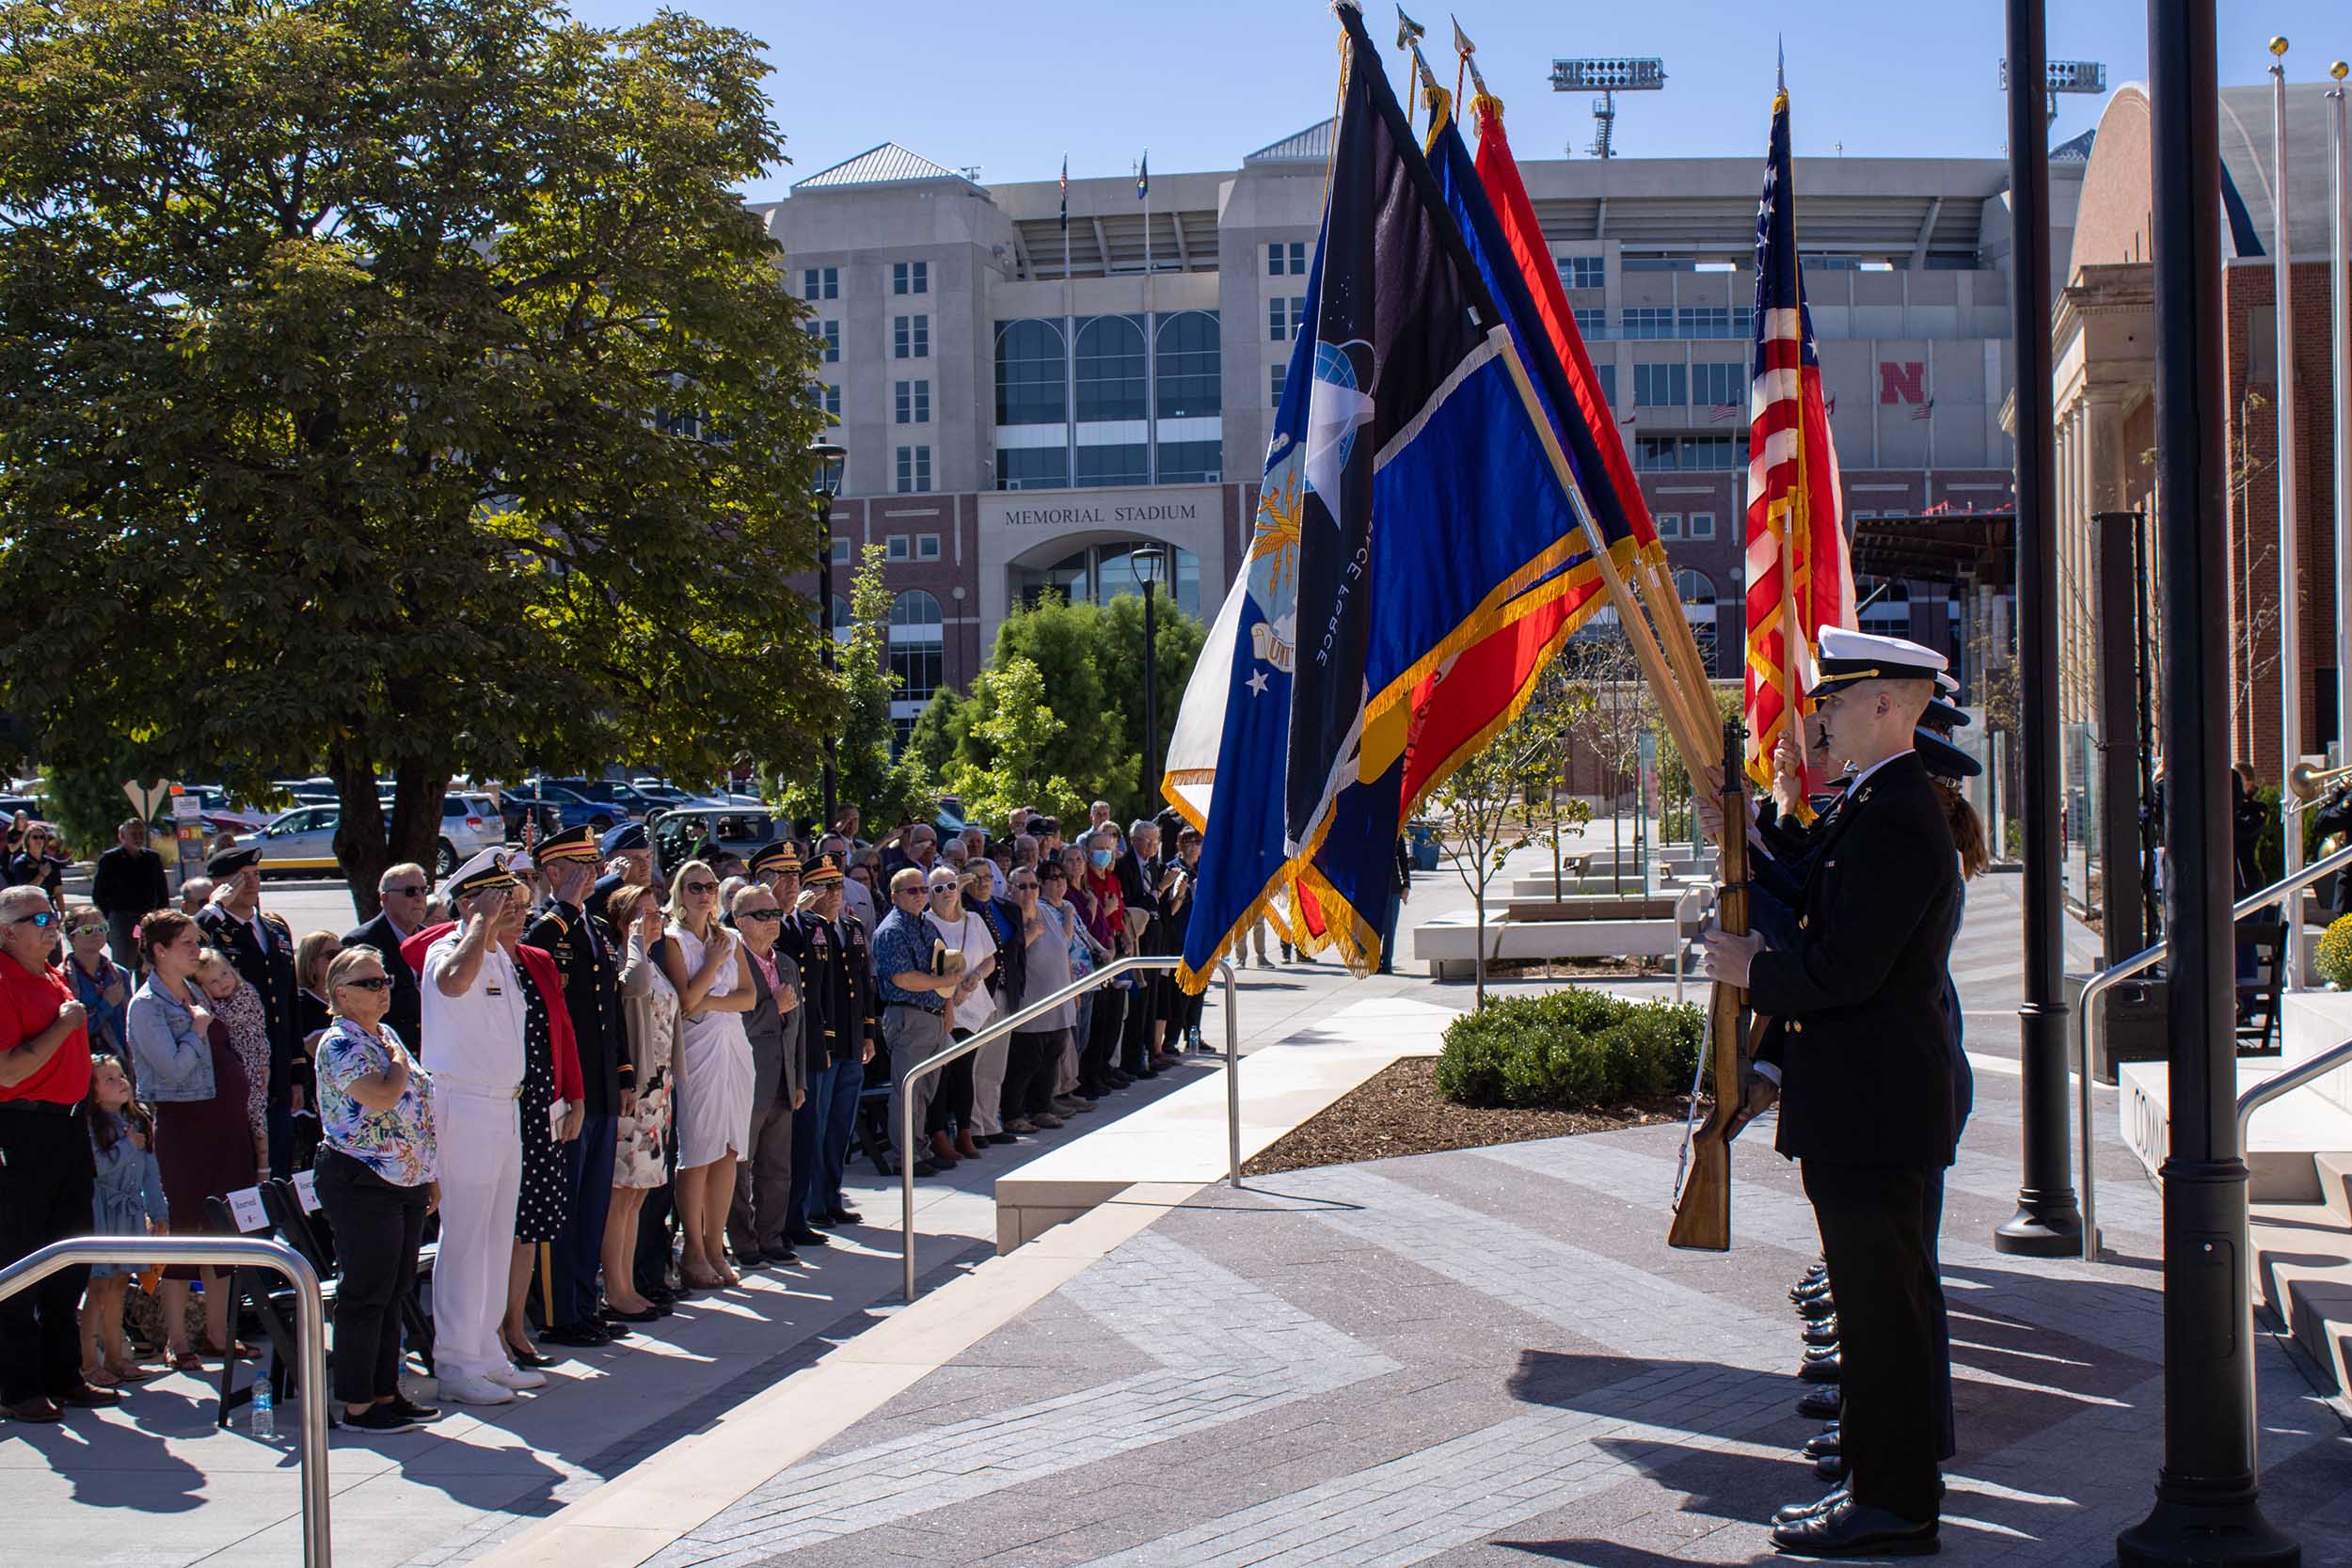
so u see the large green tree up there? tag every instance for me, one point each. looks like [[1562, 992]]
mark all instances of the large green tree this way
[[396, 385], [1090, 662]]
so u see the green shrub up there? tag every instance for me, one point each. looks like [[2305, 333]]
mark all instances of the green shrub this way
[[1568, 1051], [2333, 960]]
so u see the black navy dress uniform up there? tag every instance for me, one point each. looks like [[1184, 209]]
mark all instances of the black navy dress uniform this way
[[584, 953], [267, 963], [1869, 1103]]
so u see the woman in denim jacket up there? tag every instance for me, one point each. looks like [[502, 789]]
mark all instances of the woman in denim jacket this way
[[188, 1070]]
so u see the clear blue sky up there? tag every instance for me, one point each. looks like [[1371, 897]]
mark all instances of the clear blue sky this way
[[1011, 86]]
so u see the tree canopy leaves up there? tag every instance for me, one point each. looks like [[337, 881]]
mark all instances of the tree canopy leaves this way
[[396, 385]]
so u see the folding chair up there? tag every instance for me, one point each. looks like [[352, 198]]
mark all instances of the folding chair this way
[[2258, 994]]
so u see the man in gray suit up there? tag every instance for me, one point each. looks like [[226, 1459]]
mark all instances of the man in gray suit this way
[[761, 1214]]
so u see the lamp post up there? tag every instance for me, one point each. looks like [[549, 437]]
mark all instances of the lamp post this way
[[2207, 1509], [2047, 1223], [831, 459], [1146, 564]]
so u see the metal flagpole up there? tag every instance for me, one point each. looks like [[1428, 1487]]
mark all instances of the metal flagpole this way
[[2340, 300], [2207, 1509], [2290, 563]]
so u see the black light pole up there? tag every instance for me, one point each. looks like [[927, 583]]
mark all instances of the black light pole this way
[[2207, 1510], [1145, 564], [2046, 1223], [829, 462]]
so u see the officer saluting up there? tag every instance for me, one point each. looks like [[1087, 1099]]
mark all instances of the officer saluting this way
[[1866, 1090], [584, 954]]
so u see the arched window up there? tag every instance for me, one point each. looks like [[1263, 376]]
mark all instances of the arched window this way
[[1100, 573], [919, 651], [1889, 613], [841, 627], [1110, 370], [1697, 594], [1189, 366], [1031, 370]]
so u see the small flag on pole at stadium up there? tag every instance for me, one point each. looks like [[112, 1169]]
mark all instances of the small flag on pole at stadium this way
[[1723, 413], [1065, 193], [1923, 410], [1143, 176]]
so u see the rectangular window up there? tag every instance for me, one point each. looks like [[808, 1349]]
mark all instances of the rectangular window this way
[[820, 283], [914, 470], [1708, 451], [911, 402], [828, 335], [1585, 272], [1670, 525], [1275, 375], [1654, 454], [1121, 465], [910, 336], [1298, 258], [1274, 260], [895, 547], [1649, 321], [1277, 320], [1608, 374], [927, 546], [1706, 321], [1702, 525], [1592, 326], [840, 552], [1659, 386], [1286, 260], [826, 396], [1717, 383], [1191, 461], [910, 277], [1032, 468]]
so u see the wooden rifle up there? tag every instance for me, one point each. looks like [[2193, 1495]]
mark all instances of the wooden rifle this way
[[1702, 1216]]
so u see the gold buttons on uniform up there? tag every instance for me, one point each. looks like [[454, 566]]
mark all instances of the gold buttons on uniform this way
[[1796, 1026]]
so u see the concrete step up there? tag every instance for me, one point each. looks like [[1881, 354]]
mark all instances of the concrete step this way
[[2311, 1021], [2303, 1271], [2335, 1185], [2281, 1148]]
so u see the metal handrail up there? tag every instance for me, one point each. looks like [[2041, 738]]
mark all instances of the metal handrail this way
[[2248, 1101], [997, 1028], [219, 1252], [1682, 942], [2087, 1017]]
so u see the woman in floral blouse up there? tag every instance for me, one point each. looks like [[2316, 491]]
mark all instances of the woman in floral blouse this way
[[376, 1166]]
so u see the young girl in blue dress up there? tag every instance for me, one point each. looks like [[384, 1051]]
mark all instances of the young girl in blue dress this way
[[128, 1201]]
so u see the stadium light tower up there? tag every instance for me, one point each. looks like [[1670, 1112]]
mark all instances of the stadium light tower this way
[[2084, 76], [1607, 77]]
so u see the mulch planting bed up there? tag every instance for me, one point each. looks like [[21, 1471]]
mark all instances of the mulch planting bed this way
[[1398, 1111]]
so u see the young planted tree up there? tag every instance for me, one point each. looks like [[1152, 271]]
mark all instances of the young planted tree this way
[[396, 387], [885, 788], [1481, 805], [1010, 717], [1619, 711]]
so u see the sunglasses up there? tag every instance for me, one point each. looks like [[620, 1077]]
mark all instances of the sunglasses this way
[[702, 887], [1025, 887], [89, 928], [371, 982], [760, 914], [405, 892], [45, 919], [946, 887]]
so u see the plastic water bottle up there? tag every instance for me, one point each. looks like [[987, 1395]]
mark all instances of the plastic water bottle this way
[[264, 1410]]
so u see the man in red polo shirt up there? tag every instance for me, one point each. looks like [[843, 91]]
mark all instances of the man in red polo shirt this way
[[46, 1167]]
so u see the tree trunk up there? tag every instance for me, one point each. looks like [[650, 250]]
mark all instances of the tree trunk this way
[[365, 843], [1478, 972]]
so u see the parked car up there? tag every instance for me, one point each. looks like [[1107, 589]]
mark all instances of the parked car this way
[[679, 834], [554, 808], [469, 824], [623, 797], [299, 840]]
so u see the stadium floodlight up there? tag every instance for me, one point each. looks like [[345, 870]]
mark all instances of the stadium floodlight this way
[[1607, 77], [2078, 76]]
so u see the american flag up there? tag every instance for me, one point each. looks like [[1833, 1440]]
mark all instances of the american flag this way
[[1722, 413], [1798, 566], [1923, 410]]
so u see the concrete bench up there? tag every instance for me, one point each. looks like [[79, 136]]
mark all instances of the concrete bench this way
[[1450, 944]]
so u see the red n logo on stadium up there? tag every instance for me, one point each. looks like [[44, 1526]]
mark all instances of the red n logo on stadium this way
[[1902, 383]]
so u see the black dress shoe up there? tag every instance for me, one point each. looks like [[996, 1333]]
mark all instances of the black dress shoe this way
[[822, 1222], [1831, 1467], [1819, 1291], [84, 1396], [1824, 1443], [1823, 1368], [1814, 1277], [926, 1167], [1820, 1404], [1818, 1307], [1002, 1138], [1795, 1511], [1856, 1530], [846, 1216], [614, 1315], [578, 1335], [1820, 1331], [787, 1259], [800, 1235]]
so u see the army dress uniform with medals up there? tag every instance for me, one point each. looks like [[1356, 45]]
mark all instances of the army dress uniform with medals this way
[[263, 951], [1867, 1106], [583, 950], [840, 1031]]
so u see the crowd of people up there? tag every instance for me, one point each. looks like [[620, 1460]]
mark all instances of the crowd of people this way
[[605, 1094]]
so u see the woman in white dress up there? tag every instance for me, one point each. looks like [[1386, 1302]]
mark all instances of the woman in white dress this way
[[703, 962], [649, 1005]]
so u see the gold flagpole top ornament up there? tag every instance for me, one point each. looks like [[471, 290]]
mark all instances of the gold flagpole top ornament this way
[[1468, 54], [2337, 70], [2279, 46]]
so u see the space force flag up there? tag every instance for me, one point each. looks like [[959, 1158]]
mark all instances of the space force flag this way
[[1412, 490]]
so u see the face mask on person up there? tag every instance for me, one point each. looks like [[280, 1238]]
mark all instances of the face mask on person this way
[[1100, 858]]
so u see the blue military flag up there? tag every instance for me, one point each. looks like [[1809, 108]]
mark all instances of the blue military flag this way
[[1143, 177], [1411, 491]]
